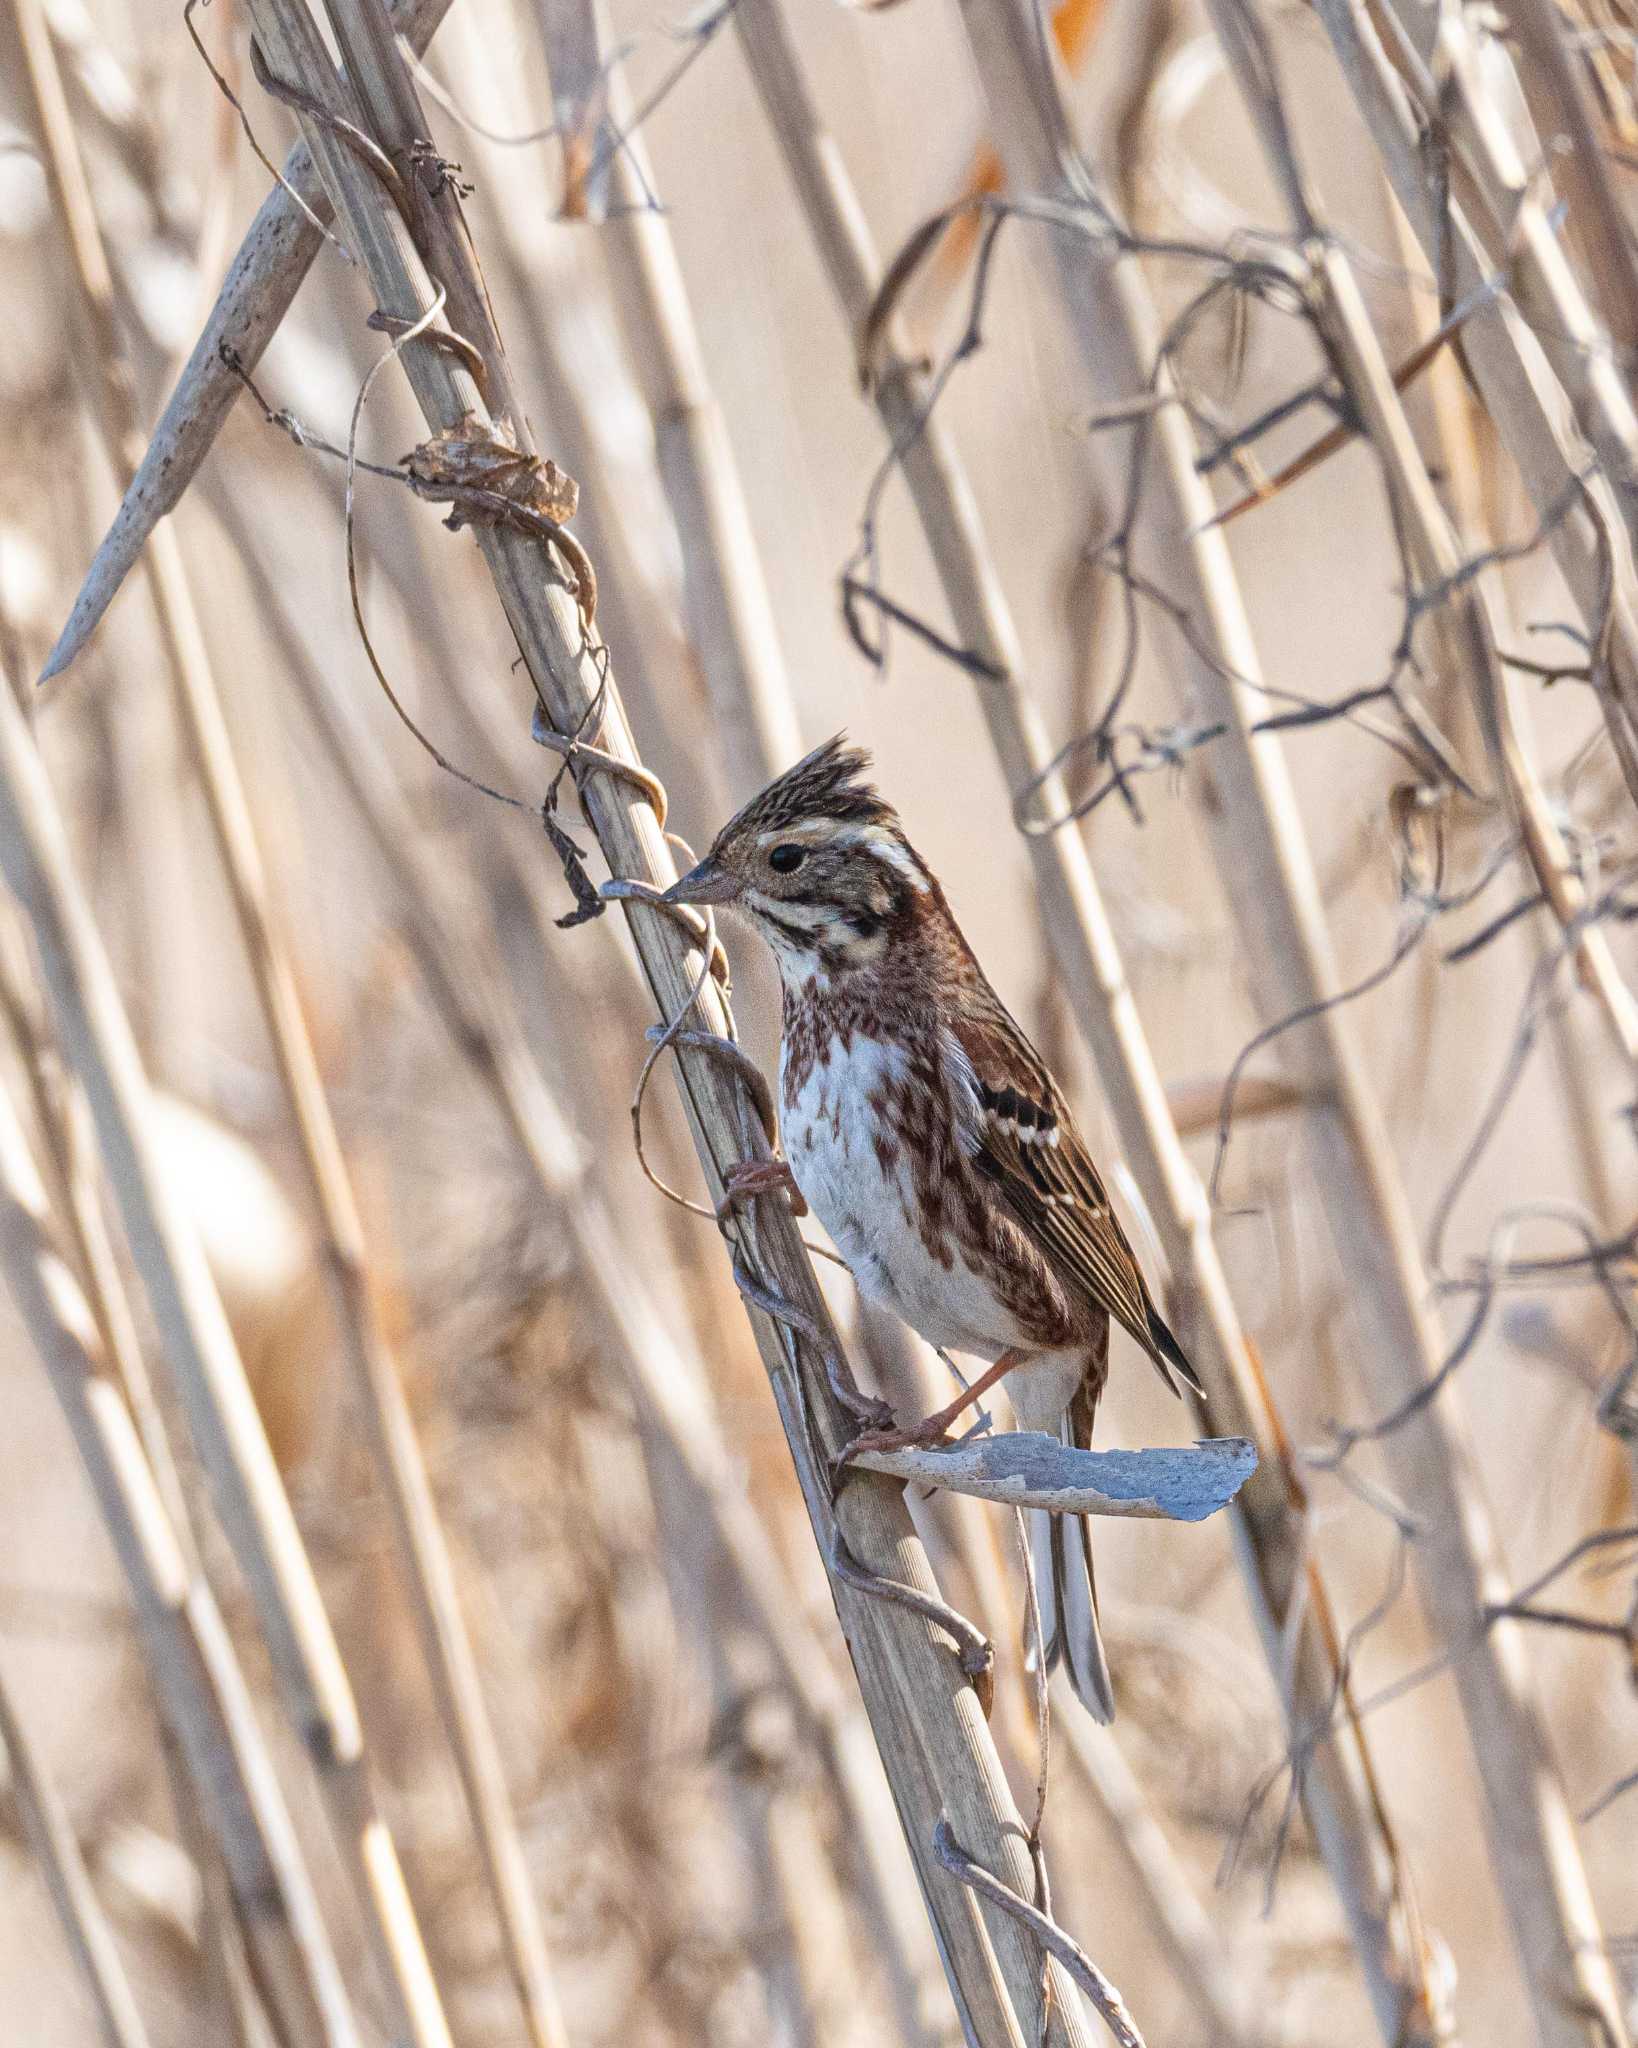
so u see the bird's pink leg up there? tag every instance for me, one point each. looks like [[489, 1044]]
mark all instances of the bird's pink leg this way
[[933, 1429]]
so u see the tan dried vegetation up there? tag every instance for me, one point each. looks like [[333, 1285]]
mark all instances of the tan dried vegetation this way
[[412, 1623]]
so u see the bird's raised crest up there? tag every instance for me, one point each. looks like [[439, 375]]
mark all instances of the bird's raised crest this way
[[831, 783]]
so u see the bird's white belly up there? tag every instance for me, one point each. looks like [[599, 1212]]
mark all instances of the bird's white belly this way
[[869, 1208]]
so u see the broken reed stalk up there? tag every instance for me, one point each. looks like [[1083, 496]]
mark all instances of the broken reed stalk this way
[[924, 1712], [728, 610], [1024, 1469], [378, 1386], [261, 284], [201, 1694], [1268, 876], [467, 986], [1270, 1519], [51, 1836]]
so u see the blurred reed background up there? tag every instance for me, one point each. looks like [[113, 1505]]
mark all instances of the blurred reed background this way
[[430, 1647]]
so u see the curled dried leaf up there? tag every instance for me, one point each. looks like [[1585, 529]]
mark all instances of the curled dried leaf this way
[[487, 481], [471, 458], [588, 904]]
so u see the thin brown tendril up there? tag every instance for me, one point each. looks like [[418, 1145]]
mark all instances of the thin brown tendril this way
[[662, 1040], [262, 157], [399, 342]]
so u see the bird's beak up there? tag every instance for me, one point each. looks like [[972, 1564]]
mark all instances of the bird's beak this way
[[707, 883]]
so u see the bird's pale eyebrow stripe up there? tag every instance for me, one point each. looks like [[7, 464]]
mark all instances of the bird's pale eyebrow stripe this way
[[813, 833], [886, 846]]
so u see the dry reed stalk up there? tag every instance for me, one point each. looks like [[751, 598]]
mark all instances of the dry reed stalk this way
[[401, 1471], [1471, 487], [925, 1715], [229, 1985], [201, 1693], [378, 1386], [1503, 720], [467, 987], [63, 1119], [1561, 100], [1460, 465], [84, 1924], [1270, 1521], [590, 402], [595, 416], [1495, 180], [251, 1502], [729, 615], [1461, 620], [1268, 876], [1517, 354], [1438, 560]]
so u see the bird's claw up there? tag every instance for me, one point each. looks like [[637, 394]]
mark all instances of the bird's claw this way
[[746, 1179], [919, 1436]]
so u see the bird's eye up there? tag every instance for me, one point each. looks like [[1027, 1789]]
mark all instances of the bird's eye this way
[[785, 860]]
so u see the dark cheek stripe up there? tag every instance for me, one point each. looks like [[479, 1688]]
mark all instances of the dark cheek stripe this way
[[798, 934], [859, 915]]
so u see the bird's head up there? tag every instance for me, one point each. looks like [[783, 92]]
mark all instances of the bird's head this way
[[819, 864]]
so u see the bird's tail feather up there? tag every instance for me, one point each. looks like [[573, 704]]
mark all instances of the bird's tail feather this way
[[1061, 1557]]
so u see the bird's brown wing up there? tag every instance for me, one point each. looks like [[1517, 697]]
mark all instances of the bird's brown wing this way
[[1020, 1135]]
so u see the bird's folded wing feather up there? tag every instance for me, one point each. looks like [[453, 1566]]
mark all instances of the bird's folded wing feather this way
[[1017, 1130]]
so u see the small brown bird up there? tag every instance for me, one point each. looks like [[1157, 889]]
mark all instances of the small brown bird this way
[[926, 1134]]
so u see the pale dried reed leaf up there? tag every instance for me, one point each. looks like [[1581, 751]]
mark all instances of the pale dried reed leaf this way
[[1023, 1469]]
